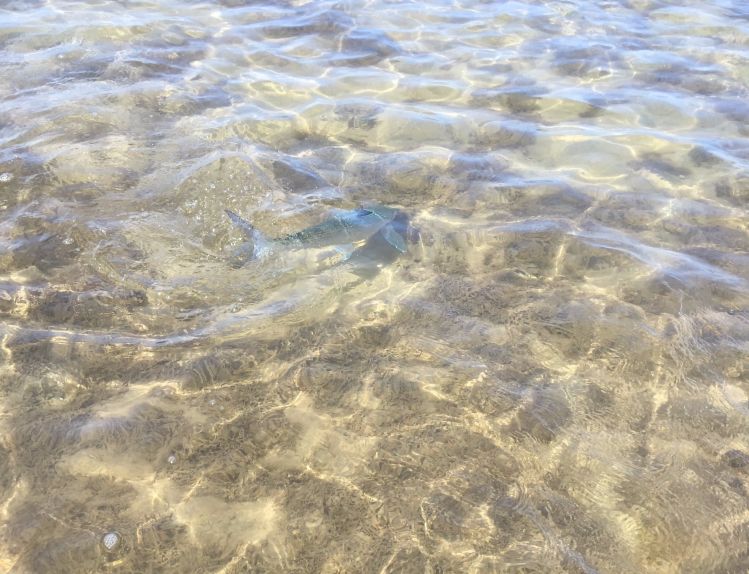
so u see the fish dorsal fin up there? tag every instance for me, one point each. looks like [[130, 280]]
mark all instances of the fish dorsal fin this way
[[394, 238]]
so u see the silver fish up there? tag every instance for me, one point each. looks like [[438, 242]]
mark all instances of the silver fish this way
[[340, 228]]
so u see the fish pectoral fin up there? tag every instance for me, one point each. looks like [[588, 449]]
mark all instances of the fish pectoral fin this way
[[394, 238]]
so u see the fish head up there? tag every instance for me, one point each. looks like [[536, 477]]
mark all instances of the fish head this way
[[385, 246]]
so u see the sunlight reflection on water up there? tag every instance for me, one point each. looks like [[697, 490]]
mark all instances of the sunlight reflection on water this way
[[535, 363]]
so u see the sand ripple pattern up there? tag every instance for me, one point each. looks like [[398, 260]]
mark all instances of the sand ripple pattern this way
[[554, 378]]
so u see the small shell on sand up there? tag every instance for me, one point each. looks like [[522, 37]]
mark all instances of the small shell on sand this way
[[111, 541]]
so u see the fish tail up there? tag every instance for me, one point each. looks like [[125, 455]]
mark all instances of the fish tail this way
[[243, 224], [261, 245]]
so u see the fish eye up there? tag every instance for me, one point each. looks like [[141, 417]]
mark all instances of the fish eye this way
[[364, 212]]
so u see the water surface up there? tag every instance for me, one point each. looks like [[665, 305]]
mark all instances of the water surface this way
[[552, 378]]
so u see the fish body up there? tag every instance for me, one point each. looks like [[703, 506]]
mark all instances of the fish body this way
[[340, 228]]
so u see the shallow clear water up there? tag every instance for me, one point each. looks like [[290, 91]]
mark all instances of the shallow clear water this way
[[552, 378]]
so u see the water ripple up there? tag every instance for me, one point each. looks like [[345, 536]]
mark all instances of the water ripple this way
[[537, 364]]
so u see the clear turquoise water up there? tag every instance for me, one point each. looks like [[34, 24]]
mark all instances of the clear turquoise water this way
[[553, 378]]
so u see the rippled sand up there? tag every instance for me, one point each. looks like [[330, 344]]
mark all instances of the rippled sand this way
[[553, 378]]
